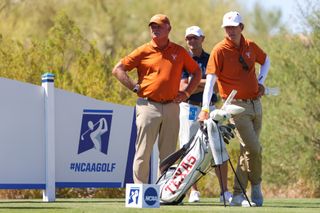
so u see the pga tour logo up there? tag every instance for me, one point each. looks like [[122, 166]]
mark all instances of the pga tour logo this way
[[95, 130]]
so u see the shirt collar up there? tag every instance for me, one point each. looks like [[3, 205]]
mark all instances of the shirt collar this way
[[230, 43], [201, 55], [154, 45]]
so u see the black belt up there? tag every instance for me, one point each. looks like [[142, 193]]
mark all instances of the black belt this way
[[160, 102], [196, 103]]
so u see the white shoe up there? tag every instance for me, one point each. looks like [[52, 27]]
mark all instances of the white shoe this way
[[240, 200], [227, 197], [194, 196]]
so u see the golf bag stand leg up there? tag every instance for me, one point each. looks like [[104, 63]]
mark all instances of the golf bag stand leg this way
[[222, 186], [242, 189]]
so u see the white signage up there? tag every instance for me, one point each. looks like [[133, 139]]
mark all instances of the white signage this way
[[94, 141], [142, 196], [22, 130]]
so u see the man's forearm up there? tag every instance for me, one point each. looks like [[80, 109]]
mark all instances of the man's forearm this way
[[208, 91], [119, 72]]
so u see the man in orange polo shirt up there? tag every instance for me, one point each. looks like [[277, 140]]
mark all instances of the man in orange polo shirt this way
[[232, 65], [159, 65]]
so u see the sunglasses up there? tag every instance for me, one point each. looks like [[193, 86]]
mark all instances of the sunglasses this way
[[189, 38], [243, 63]]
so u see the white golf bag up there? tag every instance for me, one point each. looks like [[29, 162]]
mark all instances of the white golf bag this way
[[205, 151]]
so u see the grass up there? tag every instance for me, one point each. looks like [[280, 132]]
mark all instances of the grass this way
[[117, 205]]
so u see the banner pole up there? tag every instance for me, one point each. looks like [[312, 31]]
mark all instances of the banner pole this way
[[49, 194]]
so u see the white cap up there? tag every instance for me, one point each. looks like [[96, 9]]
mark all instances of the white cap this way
[[231, 18], [194, 30]]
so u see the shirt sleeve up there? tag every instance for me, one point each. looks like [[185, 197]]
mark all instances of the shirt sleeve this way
[[190, 65], [208, 91], [215, 62], [133, 59], [264, 71], [260, 54]]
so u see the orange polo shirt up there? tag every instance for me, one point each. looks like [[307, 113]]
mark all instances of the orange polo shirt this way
[[159, 71], [224, 62]]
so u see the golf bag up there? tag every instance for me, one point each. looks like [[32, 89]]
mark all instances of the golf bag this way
[[196, 158], [195, 162], [205, 151]]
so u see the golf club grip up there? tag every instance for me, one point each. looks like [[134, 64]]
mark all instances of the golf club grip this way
[[171, 159]]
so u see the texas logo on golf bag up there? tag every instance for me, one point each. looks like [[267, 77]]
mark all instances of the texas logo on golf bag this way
[[95, 130]]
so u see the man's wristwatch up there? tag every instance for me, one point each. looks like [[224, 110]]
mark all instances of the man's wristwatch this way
[[136, 88]]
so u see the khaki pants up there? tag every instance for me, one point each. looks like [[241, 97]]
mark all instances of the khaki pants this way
[[154, 119], [248, 126]]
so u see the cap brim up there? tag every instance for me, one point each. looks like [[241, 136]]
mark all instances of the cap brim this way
[[158, 23], [231, 24], [153, 23], [192, 34]]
